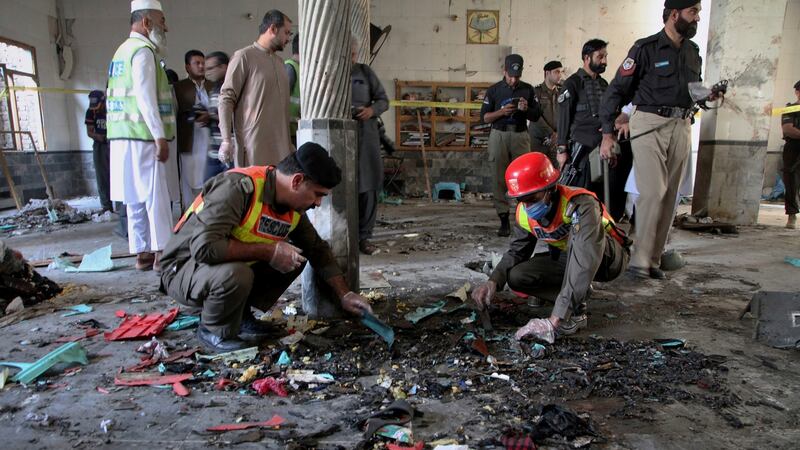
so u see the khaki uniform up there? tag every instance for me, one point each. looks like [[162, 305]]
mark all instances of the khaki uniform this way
[[661, 158], [195, 272], [547, 124], [504, 147], [564, 277]]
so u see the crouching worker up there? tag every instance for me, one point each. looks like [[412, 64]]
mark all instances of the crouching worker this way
[[583, 240], [243, 241]]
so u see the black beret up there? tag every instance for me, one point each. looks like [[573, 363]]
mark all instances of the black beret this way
[[318, 165], [552, 65], [680, 4]]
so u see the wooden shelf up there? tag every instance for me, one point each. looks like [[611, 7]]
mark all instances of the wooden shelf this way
[[460, 133]]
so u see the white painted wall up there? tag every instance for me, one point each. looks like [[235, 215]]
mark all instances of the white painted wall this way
[[27, 21]]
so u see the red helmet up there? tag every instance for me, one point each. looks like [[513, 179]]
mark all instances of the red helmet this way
[[531, 172]]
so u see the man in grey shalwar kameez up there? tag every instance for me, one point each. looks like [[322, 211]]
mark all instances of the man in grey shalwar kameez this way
[[369, 102]]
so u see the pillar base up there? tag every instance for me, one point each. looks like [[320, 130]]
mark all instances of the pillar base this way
[[336, 220]]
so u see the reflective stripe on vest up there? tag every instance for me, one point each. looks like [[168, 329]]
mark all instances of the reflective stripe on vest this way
[[294, 99], [557, 234], [124, 120], [261, 224]]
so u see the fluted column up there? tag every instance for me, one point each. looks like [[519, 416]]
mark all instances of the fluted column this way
[[359, 18], [325, 107]]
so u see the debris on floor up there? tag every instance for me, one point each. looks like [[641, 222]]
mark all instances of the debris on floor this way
[[18, 280], [44, 215]]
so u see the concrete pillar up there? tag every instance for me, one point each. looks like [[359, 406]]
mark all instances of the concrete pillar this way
[[359, 24], [743, 46], [325, 104]]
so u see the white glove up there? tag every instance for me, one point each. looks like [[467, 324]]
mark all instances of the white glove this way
[[483, 294], [225, 155], [355, 304], [286, 257], [541, 329]]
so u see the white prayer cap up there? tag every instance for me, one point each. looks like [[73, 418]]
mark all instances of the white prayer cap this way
[[136, 5]]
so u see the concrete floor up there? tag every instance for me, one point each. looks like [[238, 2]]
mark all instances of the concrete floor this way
[[699, 303]]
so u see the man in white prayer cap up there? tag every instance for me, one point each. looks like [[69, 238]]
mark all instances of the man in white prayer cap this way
[[141, 124]]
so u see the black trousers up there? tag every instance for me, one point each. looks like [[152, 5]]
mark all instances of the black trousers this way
[[101, 153], [791, 176], [617, 177]]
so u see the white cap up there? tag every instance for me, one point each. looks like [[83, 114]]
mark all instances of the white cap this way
[[136, 5]]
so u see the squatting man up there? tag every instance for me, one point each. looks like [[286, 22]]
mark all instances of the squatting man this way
[[245, 239], [583, 241]]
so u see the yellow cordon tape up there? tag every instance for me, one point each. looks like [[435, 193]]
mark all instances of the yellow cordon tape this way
[[4, 92], [786, 110], [420, 104]]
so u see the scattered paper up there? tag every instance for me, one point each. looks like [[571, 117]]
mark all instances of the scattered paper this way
[[421, 313], [460, 293], [77, 309], [97, 261]]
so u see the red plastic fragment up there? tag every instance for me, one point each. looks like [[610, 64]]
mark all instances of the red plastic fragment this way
[[89, 333], [102, 390], [222, 383], [135, 327], [180, 389], [418, 446], [275, 422], [120, 313], [147, 362], [144, 379], [480, 345], [266, 385]]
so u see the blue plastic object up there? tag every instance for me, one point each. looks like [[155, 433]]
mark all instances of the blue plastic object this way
[[71, 352], [447, 186], [380, 328]]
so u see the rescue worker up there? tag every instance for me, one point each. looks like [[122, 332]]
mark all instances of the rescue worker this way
[[584, 242], [243, 241]]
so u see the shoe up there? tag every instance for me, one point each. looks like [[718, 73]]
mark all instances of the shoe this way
[[144, 261], [636, 274], [368, 248], [215, 344], [656, 273], [505, 226], [791, 222], [157, 262], [254, 330], [572, 325]]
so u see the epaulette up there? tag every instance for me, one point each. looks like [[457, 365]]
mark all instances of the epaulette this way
[[646, 40]]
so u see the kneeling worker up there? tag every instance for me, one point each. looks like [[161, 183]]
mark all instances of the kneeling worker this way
[[584, 242], [243, 241]]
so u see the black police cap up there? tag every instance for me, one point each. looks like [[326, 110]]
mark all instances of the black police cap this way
[[680, 4], [318, 165], [552, 65], [514, 65], [797, 86]]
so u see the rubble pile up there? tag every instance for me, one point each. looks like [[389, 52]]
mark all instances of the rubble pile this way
[[43, 215], [20, 284]]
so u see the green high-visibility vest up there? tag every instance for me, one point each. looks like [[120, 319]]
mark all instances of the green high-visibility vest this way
[[123, 119], [294, 99]]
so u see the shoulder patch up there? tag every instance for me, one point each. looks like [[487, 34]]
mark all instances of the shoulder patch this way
[[628, 67], [247, 185], [563, 96]]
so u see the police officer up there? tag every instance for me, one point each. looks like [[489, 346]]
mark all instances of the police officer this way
[[656, 75], [243, 241], [579, 118], [584, 244], [369, 102], [508, 105], [544, 132], [790, 125]]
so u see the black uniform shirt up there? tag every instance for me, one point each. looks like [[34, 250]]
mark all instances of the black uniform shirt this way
[[579, 105], [500, 93], [655, 73]]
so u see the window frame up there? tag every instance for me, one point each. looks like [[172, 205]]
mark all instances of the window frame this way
[[11, 98]]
